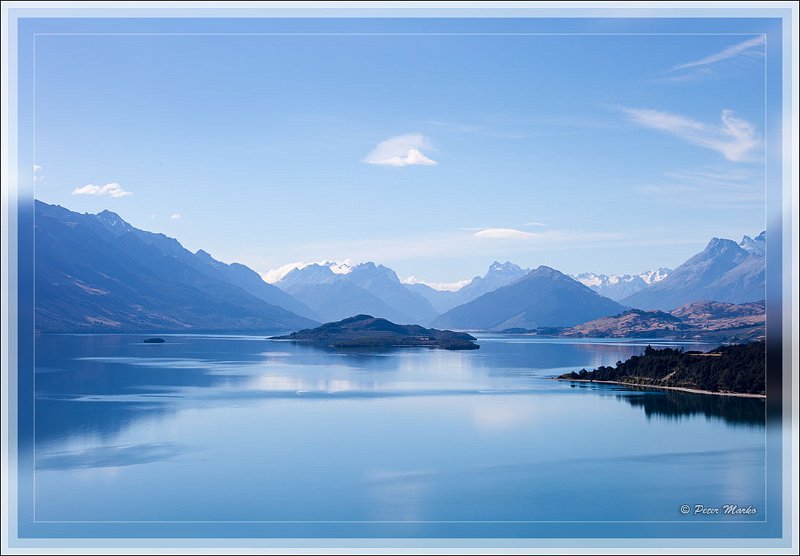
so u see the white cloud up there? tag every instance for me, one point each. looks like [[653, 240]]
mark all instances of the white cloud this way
[[534, 224], [504, 233], [277, 274], [729, 52], [175, 216], [37, 176], [441, 286], [735, 138], [111, 189], [401, 150]]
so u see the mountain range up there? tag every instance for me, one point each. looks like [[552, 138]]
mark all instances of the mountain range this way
[[542, 298], [97, 273], [723, 271], [498, 275], [363, 289], [620, 286]]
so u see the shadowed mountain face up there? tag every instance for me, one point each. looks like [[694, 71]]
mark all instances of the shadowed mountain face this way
[[543, 298], [723, 271], [97, 273], [366, 288], [365, 331]]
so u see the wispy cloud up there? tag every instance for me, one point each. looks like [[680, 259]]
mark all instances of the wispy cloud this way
[[504, 233], [454, 126], [401, 150], [441, 286], [747, 46], [540, 224], [110, 189], [175, 216], [735, 138], [716, 187]]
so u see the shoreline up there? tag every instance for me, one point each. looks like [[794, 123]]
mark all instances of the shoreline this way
[[676, 388]]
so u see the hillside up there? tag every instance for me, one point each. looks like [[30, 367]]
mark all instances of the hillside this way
[[708, 320], [365, 331], [97, 273], [727, 369]]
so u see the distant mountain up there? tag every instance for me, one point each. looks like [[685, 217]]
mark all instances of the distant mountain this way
[[498, 275], [634, 323], [755, 245], [707, 320], [542, 298], [97, 273], [619, 286], [363, 289], [723, 271], [365, 331]]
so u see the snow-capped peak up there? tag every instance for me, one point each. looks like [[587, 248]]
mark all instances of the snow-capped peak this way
[[589, 279], [650, 277], [277, 274], [755, 245], [498, 268], [339, 267]]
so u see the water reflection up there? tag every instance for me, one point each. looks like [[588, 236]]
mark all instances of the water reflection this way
[[100, 385], [679, 405]]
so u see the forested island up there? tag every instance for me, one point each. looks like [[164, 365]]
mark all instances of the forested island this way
[[365, 331], [734, 369]]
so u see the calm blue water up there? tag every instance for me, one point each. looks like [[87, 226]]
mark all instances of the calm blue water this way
[[209, 428]]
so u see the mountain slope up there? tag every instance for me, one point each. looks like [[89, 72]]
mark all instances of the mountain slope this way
[[497, 275], [94, 273], [706, 320], [543, 298], [723, 271]]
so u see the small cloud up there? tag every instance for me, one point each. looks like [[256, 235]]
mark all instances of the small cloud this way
[[152, 217], [441, 286], [503, 233], [175, 216], [401, 150], [729, 52], [277, 274], [534, 224], [735, 139], [110, 189]]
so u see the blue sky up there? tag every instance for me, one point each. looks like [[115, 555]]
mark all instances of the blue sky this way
[[434, 155]]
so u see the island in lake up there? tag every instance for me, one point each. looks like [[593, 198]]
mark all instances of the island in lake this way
[[735, 369], [365, 331]]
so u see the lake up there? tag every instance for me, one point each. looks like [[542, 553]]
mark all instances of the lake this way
[[278, 438]]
